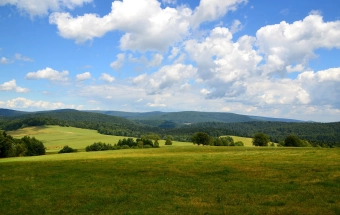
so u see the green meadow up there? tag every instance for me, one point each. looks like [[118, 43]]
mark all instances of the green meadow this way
[[178, 179]]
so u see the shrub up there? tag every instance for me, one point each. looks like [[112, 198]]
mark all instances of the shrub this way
[[168, 142], [33, 146], [99, 147], [260, 139], [125, 147], [239, 143], [67, 149]]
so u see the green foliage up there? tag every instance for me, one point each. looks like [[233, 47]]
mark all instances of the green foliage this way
[[239, 143], [168, 141], [201, 138], [127, 141], [293, 141], [144, 142], [224, 141], [156, 144], [67, 149], [99, 146], [260, 139], [33, 146]]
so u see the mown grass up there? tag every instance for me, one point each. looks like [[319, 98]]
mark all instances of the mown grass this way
[[174, 180], [56, 137]]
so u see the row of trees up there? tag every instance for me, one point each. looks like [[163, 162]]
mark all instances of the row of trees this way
[[204, 139], [125, 143], [261, 139], [26, 146]]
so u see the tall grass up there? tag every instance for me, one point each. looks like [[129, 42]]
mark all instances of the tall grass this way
[[175, 180]]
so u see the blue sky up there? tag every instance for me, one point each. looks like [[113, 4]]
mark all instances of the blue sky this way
[[255, 57]]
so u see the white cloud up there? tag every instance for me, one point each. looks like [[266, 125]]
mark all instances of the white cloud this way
[[156, 60], [23, 58], [23, 103], [222, 64], [236, 26], [285, 45], [4, 60], [12, 86], [49, 74], [174, 53], [147, 26], [106, 77], [322, 86], [172, 76], [119, 63], [169, 1], [43, 7], [84, 76], [210, 10]]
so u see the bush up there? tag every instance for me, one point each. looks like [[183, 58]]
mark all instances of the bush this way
[[125, 147], [260, 139], [239, 143], [168, 142], [67, 149], [99, 147], [33, 146], [293, 141]]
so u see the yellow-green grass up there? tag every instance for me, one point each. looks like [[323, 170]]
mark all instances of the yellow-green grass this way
[[247, 141], [56, 137], [175, 180]]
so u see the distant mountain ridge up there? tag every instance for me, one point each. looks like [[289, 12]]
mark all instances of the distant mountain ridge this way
[[192, 116], [182, 117]]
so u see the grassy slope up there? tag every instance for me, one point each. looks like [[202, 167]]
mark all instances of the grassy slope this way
[[56, 137], [174, 180]]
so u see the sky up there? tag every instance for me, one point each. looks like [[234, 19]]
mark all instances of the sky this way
[[255, 57]]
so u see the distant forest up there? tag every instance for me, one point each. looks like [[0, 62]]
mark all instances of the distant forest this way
[[316, 133]]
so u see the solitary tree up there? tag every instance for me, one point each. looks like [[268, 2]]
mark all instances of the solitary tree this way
[[201, 138], [260, 139]]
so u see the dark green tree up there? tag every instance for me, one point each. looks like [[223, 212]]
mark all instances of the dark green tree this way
[[168, 141], [33, 146], [67, 149], [260, 139], [201, 138]]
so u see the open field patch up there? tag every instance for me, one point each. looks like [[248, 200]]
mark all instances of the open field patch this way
[[174, 180], [56, 137]]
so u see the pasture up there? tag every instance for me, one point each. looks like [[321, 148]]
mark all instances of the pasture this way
[[177, 179]]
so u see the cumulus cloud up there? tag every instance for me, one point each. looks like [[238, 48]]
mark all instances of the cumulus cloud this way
[[156, 60], [42, 8], [172, 76], [12, 86], [285, 45], [322, 86], [169, 1], [236, 26], [4, 60], [106, 77], [23, 103], [222, 64], [84, 76], [23, 58], [119, 63], [147, 26], [210, 10], [49, 74]]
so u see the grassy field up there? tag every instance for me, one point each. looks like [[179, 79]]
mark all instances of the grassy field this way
[[178, 179], [56, 137]]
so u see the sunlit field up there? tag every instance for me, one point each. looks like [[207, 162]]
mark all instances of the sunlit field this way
[[178, 179]]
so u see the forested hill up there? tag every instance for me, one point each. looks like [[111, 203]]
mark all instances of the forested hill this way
[[190, 117], [68, 117], [317, 133]]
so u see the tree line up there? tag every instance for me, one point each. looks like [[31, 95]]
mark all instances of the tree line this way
[[315, 133], [26, 146]]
